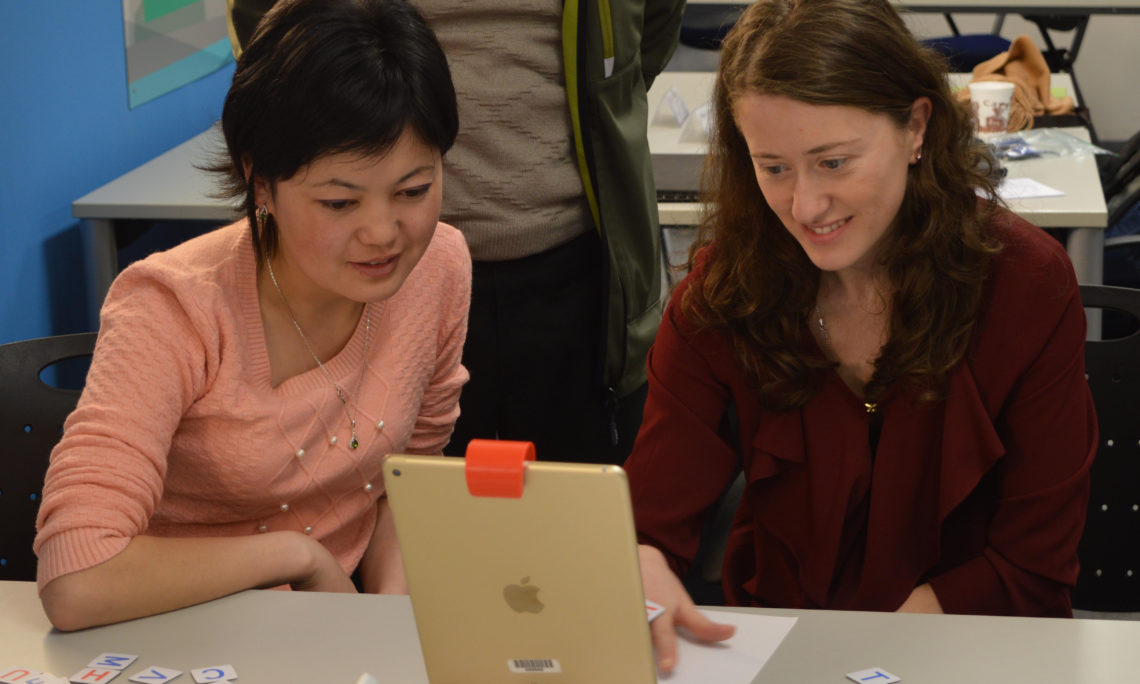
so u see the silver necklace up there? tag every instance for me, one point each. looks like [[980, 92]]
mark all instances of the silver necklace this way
[[870, 406], [340, 393], [822, 328]]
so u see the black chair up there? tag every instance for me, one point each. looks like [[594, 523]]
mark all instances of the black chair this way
[[1110, 548], [1121, 268], [704, 26], [963, 52], [1061, 59], [31, 422], [703, 579]]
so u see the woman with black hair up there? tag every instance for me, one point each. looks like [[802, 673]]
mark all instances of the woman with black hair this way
[[247, 384]]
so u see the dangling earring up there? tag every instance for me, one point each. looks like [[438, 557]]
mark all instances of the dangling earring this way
[[262, 218]]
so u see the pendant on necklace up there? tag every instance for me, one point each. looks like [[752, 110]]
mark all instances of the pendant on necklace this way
[[870, 406], [354, 443]]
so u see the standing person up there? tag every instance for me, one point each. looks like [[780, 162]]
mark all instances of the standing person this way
[[247, 384], [551, 184], [904, 361]]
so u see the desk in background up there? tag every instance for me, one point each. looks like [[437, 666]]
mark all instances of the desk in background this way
[[1082, 7], [273, 636], [1081, 11], [1076, 18], [1082, 208], [168, 187], [172, 187]]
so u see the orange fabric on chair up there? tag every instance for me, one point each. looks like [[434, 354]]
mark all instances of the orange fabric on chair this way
[[1025, 67]]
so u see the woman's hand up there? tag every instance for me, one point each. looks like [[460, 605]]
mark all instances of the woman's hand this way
[[382, 568], [921, 600], [662, 586], [322, 572], [159, 574]]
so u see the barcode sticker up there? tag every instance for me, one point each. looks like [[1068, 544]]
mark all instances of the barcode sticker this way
[[534, 665]]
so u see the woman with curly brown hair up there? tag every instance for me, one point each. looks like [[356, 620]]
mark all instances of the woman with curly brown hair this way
[[900, 362]]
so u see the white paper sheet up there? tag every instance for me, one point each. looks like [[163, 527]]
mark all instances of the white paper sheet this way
[[1025, 188], [735, 661]]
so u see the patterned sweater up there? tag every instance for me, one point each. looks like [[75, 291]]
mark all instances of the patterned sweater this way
[[512, 177], [179, 433]]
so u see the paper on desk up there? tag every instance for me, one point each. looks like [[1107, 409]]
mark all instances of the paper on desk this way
[[1025, 188], [735, 661]]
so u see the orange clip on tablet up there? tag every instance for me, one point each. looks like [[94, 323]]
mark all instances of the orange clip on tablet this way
[[495, 467]]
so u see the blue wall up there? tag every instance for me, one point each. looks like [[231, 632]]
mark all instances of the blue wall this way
[[65, 130]]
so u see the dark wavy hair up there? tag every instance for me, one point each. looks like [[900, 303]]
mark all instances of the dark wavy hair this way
[[322, 77], [754, 279]]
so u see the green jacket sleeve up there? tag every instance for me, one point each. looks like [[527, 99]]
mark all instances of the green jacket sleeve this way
[[243, 16], [659, 36]]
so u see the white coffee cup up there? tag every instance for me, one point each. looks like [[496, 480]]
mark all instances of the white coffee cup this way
[[991, 101]]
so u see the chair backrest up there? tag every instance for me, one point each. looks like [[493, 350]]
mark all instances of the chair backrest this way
[[705, 26], [964, 52], [31, 422], [1110, 548], [1058, 58]]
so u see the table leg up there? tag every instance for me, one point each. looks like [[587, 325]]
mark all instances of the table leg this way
[[102, 262], [1086, 250]]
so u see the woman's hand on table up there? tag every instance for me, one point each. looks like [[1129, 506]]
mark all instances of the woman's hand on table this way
[[159, 574], [921, 600], [662, 586], [322, 571], [382, 567]]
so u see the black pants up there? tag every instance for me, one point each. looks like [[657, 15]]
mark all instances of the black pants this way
[[534, 349]]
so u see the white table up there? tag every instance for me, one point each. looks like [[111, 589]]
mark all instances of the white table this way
[[1080, 7], [168, 187], [172, 187], [1082, 208], [270, 636], [1081, 10]]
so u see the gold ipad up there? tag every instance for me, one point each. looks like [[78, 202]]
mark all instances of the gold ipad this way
[[543, 588]]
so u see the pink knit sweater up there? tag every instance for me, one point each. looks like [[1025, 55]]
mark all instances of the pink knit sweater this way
[[179, 433]]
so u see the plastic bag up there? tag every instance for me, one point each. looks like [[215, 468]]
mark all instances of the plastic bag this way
[[1041, 142]]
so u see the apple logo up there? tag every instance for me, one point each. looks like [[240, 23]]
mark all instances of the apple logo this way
[[523, 597]]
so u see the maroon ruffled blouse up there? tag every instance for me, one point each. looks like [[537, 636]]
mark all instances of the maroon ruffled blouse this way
[[983, 495]]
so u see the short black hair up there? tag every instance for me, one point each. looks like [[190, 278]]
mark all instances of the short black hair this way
[[322, 77]]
